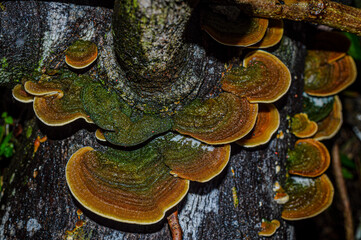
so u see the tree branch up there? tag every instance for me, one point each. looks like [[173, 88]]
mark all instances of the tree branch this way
[[341, 186], [325, 12]]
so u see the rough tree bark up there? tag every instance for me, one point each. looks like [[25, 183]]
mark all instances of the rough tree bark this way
[[36, 203]]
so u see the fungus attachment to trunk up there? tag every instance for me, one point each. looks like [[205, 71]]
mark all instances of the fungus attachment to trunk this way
[[122, 125], [220, 120], [309, 158], [308, 197], [194, 160], [21, 95], [81, 54], [242, 31], [127, 186], [263, 78], [302, 127], [329, 126], [268, 228], [267, 123], [328, 71]]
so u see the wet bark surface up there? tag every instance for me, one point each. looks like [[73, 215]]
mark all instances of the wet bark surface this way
[[36, 203]]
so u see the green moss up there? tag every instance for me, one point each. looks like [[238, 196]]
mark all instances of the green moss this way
[[4, 63], [137, 171], [304, 157], [317, 108], [246, 78]]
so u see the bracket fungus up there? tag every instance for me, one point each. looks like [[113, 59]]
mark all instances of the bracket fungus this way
[[308, 197], [56, 98], [263, 78], [267, 123], [99, 135], [132, 187], [139, 184], [328, 72], [229, 27], [309, 158], [135, 186], [302, 127], [220, 120], [242, 31], [329, 126], [273, 35], [193, 160], [268, 228], [81, 54], [281, 197], [21, 95]]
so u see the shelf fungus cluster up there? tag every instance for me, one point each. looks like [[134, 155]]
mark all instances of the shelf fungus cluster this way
[[139, 184], [328, 71], [309, 190], [230, 27]]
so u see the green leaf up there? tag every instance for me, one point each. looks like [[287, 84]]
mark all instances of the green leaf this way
[[347, 162], [4, 114], [2, 130], [9, 120], [346, 173], [9, 150], [29, 131], [355, 48], [4, 143]]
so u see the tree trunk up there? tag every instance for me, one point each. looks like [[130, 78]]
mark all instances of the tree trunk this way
[[36, 203]]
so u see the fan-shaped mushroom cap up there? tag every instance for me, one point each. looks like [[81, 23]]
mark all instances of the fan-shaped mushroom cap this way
[[308, 197], [81, 54], [325, 79], [302, 127], [268, 120], [242, 32], [99, 135], [43, 88], [273, 34], [127, 186], [329, 126], [54, 112], [264, 78], [268, 228], [309, 158], [317, 108], [281, 197], [21, 95], [60, 103], [193, 160], [220, 120]]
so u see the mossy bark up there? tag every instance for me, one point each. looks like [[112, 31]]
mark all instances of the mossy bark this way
[[36, 203]]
